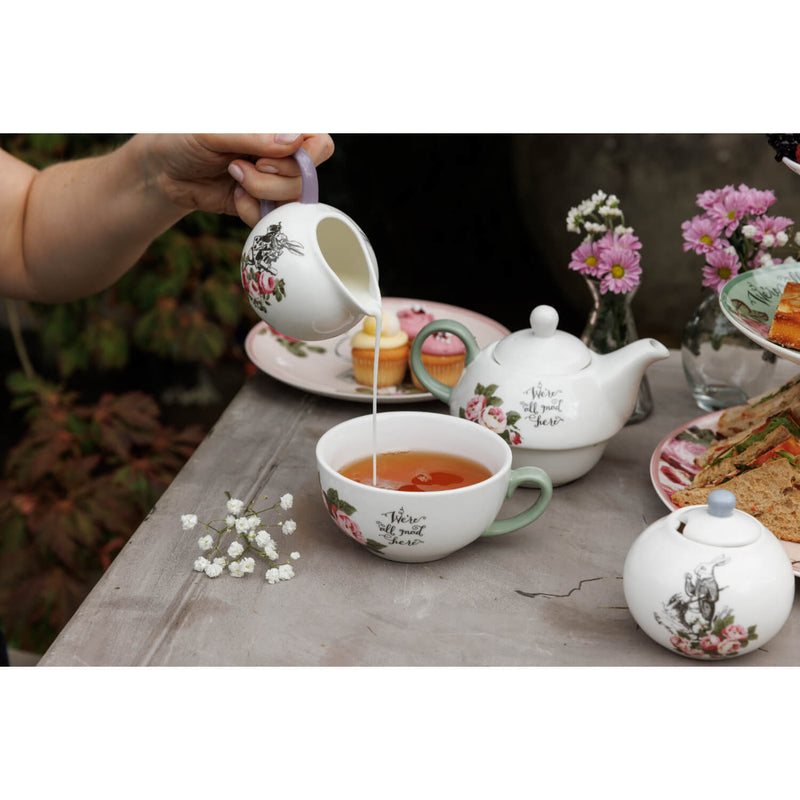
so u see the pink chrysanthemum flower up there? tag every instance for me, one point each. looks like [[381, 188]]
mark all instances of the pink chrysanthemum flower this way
[[721, 266], [619, 269], [627, 240], [756, 201], [712, 196], [729, 210], [769, 226], [702, 234], [585, 259]]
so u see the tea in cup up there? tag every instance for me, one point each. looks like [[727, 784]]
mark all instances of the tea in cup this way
[[432, 505], [308, 270]]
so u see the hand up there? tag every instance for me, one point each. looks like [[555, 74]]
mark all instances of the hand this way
[[231, 173]]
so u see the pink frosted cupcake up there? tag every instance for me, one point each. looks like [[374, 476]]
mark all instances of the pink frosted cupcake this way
[[443, 355], [413, 320]]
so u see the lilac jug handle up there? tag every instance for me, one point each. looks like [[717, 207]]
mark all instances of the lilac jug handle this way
[[308, 172]]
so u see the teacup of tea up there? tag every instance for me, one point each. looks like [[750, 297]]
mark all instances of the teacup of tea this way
[[417, 486]]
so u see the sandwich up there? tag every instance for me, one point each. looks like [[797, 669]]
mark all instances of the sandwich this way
[[762, 468]]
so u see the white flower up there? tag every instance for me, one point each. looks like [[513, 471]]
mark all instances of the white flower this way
[[609, 211], [188, 521], [271, 553], [782, 239], [242, 525], [235, 568], [295, 555], [287, 501], [768, 240], [235, 506], [230, 521], [235, 550], [205, 542], [595, 227], [748, 231], [263, 540], [248, 564], [289, 526], [797, 238], [765, 260], [621, 230], [201, 562], [286, 572], [213, 570], [253, 522], [272, 576], [220, 561]]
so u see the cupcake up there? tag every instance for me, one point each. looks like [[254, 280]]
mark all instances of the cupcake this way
[[413, 320], [393, 355], [443, 355]]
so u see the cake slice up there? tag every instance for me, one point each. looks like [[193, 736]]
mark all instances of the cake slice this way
[[785, 328]]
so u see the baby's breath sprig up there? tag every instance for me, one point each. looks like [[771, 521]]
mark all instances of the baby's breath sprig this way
[[251, 540]]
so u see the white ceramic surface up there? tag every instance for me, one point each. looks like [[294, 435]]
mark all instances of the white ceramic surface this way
[[309, 271], [672, 466], [749, 301], [422, 526], [325, 367], [707, 601], [793, 165], [543, 390]]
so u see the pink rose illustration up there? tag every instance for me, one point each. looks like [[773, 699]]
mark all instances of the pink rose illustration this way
[[514, 438], [475, 408], [348, 525], [494, 418], [710, 642], [734, 631], [729, 647], [266, 283]]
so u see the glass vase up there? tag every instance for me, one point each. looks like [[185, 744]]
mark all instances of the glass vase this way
[[723, 367], [611, 326]]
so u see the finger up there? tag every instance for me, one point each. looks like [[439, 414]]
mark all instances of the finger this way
[[318, 145], [266, 185], [274, 145], [247, 207]]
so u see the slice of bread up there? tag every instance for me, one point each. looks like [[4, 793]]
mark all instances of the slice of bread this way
[[759, 409], [770, 492], [746, 448]]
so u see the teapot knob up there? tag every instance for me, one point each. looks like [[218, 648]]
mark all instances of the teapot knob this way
[[544, 321], [721, 503]]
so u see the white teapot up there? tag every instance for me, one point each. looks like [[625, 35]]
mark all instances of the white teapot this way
[[544, 391], [308, 269], [709, 582]]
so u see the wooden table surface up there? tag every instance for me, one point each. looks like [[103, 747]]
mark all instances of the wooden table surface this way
[[550, 594]]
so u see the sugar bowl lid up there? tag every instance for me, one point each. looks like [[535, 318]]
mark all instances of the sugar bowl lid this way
[[542, 347], [719, 523]]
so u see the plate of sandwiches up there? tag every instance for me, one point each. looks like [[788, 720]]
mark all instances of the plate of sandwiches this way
[[764, 304], [753, 450]]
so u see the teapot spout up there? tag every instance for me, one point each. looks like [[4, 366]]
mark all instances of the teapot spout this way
[[620, 372]]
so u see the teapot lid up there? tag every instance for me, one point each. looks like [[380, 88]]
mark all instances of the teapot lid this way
[[542, 347], [719, 523]]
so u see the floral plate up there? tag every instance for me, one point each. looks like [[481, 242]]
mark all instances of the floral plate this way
[[749, 301], [325, 367], [672, 465]]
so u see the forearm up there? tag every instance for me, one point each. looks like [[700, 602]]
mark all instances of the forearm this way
[[86, 222]]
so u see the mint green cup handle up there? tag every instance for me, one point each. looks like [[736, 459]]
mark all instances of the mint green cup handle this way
[[526, 475], [437, 388]]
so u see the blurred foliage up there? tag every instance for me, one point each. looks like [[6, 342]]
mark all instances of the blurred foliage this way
[[75, 488], [86, 465]]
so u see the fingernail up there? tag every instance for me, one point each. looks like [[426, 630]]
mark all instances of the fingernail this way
[[286, 138], [267, 168], [239, 192], [235, 171]]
